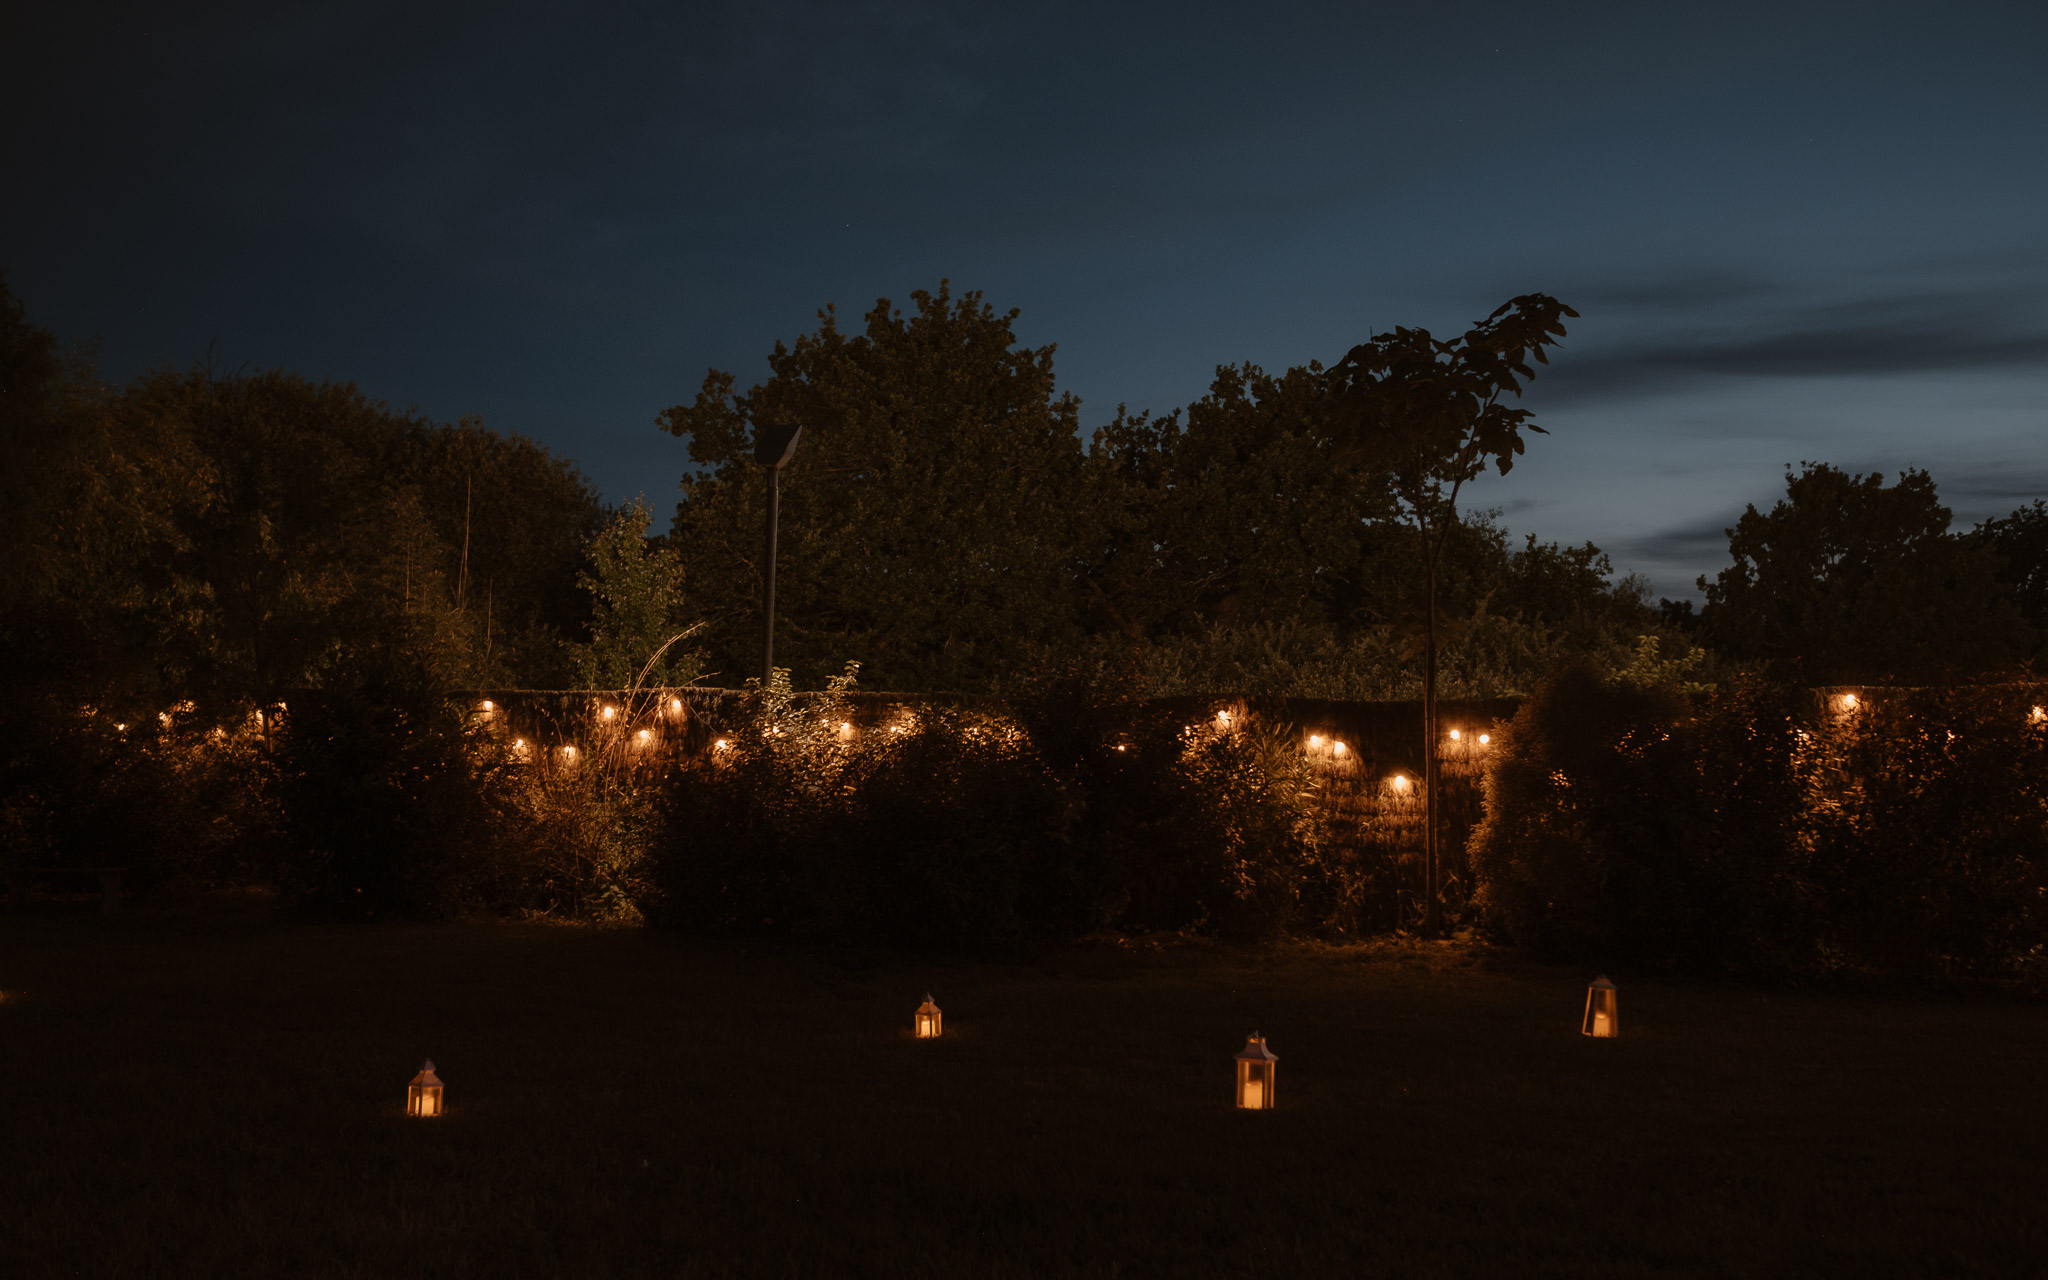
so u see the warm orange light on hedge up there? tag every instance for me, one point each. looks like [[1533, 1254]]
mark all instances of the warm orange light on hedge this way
[[607, 712], [928, 1020], [1223, 719], [1315, 740], [1255, 1069], [675, 705], [721, 745], [423, 1095], [1485, 738], [1456, 735], [486, 706], [1603, 1010], [645, 737], [1400, 781], [2039, 715], [1339, 748]]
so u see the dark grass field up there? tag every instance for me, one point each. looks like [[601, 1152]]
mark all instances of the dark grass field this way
[[222, 1095]]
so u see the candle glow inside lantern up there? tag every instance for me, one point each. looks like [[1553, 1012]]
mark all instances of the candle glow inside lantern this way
[[928, 1022], [1603, 1012], [1255, 1068], [423, 1095]]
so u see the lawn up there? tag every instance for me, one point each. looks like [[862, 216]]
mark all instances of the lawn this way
[[222, 1094]]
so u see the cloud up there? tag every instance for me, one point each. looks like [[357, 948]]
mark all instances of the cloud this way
[[1736, 333]]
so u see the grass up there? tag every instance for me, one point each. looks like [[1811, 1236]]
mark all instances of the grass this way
[[207, 1095]]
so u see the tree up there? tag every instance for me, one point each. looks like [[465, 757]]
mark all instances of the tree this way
[[932, 522], [1429, 415], [1232, 518], [1847, 581], [2020, 541], [636, 589]]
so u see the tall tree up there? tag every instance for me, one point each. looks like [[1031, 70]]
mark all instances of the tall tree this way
[[932, 521], [1848, 581], [1429, 415], [1229, 515], [637, 614]]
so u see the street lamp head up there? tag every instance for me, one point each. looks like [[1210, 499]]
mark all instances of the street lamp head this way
[[775, 444]]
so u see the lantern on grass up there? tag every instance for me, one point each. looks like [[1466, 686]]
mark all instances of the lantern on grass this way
[[1255, 1068], [1603, 1013], [928, 1019], [423, 1095]]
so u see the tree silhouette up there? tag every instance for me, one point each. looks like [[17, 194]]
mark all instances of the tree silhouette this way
[[1429, 415]]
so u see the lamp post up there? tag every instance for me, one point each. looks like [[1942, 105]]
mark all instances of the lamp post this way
[[774, 446]]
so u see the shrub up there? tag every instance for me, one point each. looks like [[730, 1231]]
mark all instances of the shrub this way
[[1075, 808], [1622, 827], [1928, 835]]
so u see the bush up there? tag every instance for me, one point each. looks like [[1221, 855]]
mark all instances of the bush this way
[[382, 795], [1074, 809], [1745, 834], [1621, 826], [1928, 834]]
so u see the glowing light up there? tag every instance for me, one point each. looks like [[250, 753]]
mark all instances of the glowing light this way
[[486, 706], [607, 713], [519, 742], [1603, 1010], [1455, 735], [645, 736], [1485, 738], [1339, 748], [1121, 747], [1315, 739], [1400, 781], [2039, 715], [675, 705], [1849, 701], [569, 751], [928, 1021], [721, 745], [1223, 719], [122, 728]]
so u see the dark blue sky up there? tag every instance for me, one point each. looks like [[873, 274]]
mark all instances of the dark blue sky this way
[[1794, 230]]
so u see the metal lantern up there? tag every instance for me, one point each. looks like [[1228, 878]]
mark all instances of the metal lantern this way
[[928, 1019], [1603, 1013], [1255, 1068], [423, 1095]]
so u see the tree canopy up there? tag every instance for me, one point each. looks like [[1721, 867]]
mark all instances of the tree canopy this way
[[1847, 580], [932, 519]]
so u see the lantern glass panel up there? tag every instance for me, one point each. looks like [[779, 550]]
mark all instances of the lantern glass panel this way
[[929, 1022], [1256, 1068], [1603, 1010]]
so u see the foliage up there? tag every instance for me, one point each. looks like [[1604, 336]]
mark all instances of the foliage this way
[[1236, 517], [966, 826], [1649, 669], [1902, 840], [2020, 541], [1927, 836], [1848, 581], [932, 517], [1622, 828], [636, 616]]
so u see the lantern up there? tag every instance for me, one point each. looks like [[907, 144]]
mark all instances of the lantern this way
[[1255, 1067], [928, 1019], [1603, 1014], [423, 1095]]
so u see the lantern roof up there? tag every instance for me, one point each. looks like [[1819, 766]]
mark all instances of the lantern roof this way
[[927, 1006], [426, 1075], [1255, 1050], [1602, 984]]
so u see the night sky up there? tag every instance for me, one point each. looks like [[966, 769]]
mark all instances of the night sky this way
[[1794, 231]]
